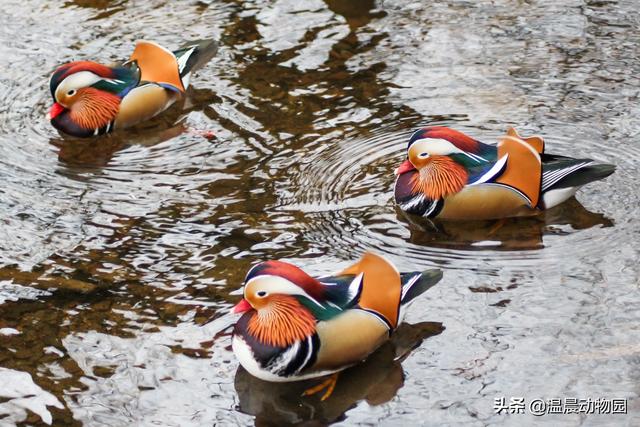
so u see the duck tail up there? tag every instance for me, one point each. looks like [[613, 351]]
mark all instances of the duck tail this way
[[194, 55], [562, 176], [563, 172], [415, 284], [587, 174]]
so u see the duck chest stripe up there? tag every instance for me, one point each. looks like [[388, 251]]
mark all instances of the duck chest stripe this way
[[433, 208], [284, 363], [420, 205], [312, 351], [295, 358], [413, 202]]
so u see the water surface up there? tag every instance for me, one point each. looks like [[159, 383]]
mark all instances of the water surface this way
[[120, 256]]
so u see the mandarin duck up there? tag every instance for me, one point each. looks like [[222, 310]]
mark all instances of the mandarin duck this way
[[376, 380], [93, 99], [450, 175], [297, 327]]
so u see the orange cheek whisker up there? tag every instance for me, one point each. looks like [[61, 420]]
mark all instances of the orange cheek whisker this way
[[282, 322], [439, 178], [95, 108]]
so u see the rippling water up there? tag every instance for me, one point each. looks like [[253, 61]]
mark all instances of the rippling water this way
[[120, 256]]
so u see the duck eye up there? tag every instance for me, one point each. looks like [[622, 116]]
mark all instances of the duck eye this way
[[423, 155], [71, 92], [261, 294]]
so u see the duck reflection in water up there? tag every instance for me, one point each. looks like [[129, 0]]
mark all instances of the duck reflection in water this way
[[97, 152], [524, 233], [376, 381]]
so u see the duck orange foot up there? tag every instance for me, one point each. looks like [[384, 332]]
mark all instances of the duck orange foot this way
[[329, 384]]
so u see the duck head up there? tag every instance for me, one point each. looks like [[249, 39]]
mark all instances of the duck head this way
[[440, 158], [276, 298], [86, 97]]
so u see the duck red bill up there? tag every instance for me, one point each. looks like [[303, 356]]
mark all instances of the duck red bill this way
[[406, 166], [242, 306], [55, 110]]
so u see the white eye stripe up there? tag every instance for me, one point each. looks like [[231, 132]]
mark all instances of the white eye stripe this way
[[278, 285], [76, 81], [442, 147], [79, 79], [437, 146]]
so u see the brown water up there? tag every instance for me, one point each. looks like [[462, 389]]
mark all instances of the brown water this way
[[121, 256]]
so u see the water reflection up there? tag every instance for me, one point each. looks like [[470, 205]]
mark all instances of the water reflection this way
[[19, 393], [98, 152], [509, 234], [376, 381], [169, 125], [311, 104]]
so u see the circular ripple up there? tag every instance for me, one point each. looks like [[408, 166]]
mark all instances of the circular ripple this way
[[61, 194], [345, 188]]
